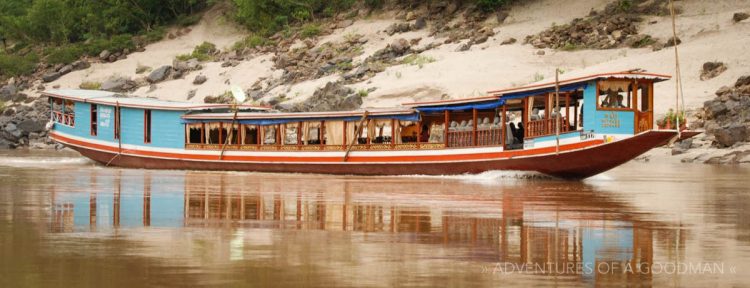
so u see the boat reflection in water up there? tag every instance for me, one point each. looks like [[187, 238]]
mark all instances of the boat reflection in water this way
[[559, 229]]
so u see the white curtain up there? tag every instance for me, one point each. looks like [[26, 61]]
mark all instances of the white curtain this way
[[209, 128], [310, 131], [334, 132], [615, 85]]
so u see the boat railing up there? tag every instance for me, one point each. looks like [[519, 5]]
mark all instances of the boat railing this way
[[484, 137], [545, 127], [63, 118], [317, 147]]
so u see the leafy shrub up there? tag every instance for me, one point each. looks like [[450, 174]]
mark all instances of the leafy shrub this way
[[201, 52], [251, 41], [15, 65], [154, 35], [90, 85], [417, 60], [116, 43], [310, 30], [188, 20], [65, 54]]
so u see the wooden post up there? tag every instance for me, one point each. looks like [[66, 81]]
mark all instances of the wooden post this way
[[567, 109], [524, 115], [557, 108], [344, 139], [474, 127], [393, 133], [447, 125], [321, 133], [503, 119], [419, 134]]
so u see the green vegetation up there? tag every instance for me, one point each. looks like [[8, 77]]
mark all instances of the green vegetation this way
[[490, 5], [15, 65], [538, 77], [61, 31], [201, 52], [417, 60], [90, 85], [252, 41], [310, 30], [570, 47], [363, 93], [2, 106]]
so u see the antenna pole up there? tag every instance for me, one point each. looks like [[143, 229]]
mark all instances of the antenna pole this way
[[557, 110], [678, 82]]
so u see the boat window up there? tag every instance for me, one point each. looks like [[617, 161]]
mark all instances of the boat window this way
[[250, 135], [290, 133], [212, 133], [194, 133], [269, 135], [147, 126], [380, 131], [63, 111], [408, 131], [615, 94], [232, 133], [93, 120], [311, 133]]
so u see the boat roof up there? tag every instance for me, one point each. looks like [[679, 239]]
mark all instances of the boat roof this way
[[299, 115], [114, 99], [541, 87]]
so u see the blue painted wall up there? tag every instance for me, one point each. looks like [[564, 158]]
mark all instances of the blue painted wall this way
[[167, 131], [573, 134], [604, 121]]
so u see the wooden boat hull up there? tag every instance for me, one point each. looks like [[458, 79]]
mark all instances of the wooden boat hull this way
[[573, 163]]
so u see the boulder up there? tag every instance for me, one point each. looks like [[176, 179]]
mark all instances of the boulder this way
[[221, 99], [731, 134], [52, 76], [673, 41], [739, 16], [104, 55], [118, 84], [65, 69], [742, 81], [420, 24], [508, 41], [7, 92], [80, 65], [715, 108], [200, 79], [400, 46], [159, 74], [31, 126], [332, 97], [712, 69]]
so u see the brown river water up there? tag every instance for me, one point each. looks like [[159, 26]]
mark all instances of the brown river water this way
[[65, 222]]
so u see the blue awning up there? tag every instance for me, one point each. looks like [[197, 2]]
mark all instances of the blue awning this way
[[470, 106], [563, 88], [275, 121]]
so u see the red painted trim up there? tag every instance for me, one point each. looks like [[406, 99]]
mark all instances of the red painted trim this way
[[333, 159]]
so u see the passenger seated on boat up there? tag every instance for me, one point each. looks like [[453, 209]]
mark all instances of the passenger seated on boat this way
[[619, 104], [496, 122], [437, 133], [510, 131], [469, 125], [535, 115], [519, 132], [269, 135], [454, 126], [485, 123]]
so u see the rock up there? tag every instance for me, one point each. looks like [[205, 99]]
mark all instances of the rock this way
[[191, 94], [221, 99], [159, 74], [731, 134], [714, 109], [332, 97], [255, 95], [7, 92], [104, 55], [193, 64], [739, 16], [200, 79], [672, 42], [65, 69], [742, 81], [31, 126], [400, 46], [712, 69], [420, 24], [80, 65], [509, 41], [230, 63], [11, 132], [52, 76], [118, 84], [464, 47], [410, 16], [540, 52]]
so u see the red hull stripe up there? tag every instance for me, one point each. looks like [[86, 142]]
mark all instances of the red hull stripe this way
[[330, 159]]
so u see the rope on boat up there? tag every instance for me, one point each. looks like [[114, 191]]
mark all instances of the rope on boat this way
[[118, 134], [356, 135], [679, 92]]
